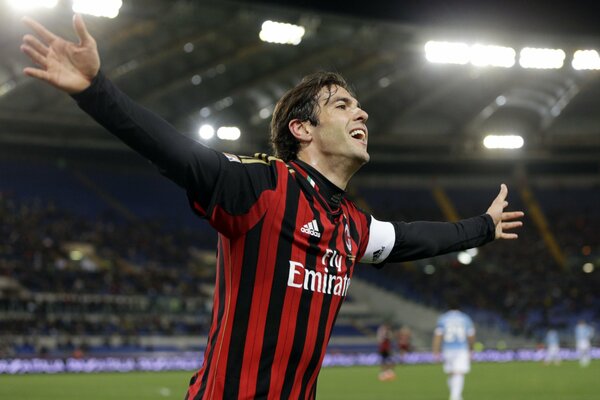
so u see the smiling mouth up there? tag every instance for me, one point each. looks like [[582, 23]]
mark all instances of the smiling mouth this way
[[359, 135]]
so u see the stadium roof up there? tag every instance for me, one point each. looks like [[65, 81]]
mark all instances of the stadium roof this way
[[197, 62]]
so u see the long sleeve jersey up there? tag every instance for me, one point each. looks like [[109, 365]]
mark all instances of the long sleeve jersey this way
[[289, 241]]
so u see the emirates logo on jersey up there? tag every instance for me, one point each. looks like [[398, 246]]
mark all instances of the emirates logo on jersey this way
[[311, 228]]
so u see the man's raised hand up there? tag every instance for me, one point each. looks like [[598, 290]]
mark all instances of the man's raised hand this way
[[504, 220], [66, 65]]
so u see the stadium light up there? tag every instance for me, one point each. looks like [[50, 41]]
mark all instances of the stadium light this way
[[206, 132], [530, 57], [464, 258], [479, 55], [104, 8], [503, 141], [586, 59], [27, 5], [282, 33], [472, 252], [492, 56], [447, 52], [228, 133]]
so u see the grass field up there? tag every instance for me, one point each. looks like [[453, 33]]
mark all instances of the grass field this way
[[511, 381]]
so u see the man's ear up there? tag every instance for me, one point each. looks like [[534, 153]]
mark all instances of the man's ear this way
[[300, 130]]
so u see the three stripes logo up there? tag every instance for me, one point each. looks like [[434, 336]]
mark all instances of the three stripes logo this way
[[311, 228]]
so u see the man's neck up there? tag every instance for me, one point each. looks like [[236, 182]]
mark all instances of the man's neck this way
[[337, 173]]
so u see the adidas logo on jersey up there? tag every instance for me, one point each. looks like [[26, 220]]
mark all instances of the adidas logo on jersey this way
[[311, 228]]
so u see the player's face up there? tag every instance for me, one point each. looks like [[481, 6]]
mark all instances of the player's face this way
[[342, 131]]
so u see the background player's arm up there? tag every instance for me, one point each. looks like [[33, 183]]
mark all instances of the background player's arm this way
[[471, 341], [436, 345]]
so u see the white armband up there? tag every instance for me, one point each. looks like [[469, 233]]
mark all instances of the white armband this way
[[382, 237]]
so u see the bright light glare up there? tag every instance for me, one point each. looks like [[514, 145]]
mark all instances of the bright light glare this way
[[464, 258], [206, 132], [503, 142], [472, 252], [541, 58], [228, 133], [588, 268], [447, 52], [26, 5], [104, 8], [586, 59], [492, 56], [282, 33], [76, 255], [478, 54]]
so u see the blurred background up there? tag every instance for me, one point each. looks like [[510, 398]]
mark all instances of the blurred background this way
[[100, 255]]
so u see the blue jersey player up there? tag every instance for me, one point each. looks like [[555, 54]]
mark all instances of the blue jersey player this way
[[454, 335], [583, 342], [552, 347]]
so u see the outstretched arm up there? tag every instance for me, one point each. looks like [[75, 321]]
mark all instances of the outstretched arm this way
[[75, 69], [65, 65], [402, 241]]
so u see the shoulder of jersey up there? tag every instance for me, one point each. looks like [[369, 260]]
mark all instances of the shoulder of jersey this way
[[263, 158]]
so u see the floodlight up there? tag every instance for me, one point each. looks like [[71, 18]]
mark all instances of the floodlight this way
[[282, 33], [447, 52], [206, 132], [228, 133], [492, 56], [541, 58], [586, 59], [104, 8], [503, 142], [464, 258]]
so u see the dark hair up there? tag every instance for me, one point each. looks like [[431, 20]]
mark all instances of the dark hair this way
[[300, 102]]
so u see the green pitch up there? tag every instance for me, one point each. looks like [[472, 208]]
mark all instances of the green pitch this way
[[512, 381]]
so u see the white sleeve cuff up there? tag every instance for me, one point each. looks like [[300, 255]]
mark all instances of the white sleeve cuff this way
[[382, 237]]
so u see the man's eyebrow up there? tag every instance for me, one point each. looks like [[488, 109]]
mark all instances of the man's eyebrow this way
[[347, 100]]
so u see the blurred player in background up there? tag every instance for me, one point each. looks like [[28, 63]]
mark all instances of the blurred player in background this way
[[454, 335], [403, 339], [385, 336], [552, 347], [583, 342], [289, 238]]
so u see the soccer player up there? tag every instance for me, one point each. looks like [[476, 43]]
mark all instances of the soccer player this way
[[289, 238], [455, 335], [552, 347], [583, 339], [385, 335], [403, 338]]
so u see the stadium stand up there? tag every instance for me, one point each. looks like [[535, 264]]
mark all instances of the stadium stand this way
[[89, 262]]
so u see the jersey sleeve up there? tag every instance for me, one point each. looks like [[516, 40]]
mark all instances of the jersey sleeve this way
[[245, 187], [405, 241], [212, 179]]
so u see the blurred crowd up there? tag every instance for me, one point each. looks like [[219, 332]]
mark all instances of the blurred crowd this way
[[119, 279], [517, 286], [66, 275]]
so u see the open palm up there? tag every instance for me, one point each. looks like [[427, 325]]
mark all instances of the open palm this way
[[66, 65], [504, 220]]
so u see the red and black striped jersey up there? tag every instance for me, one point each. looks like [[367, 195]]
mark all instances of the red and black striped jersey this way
[[285, 263], [288, 244]]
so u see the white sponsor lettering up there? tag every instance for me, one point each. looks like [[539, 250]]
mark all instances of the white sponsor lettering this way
[[315, 281]]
